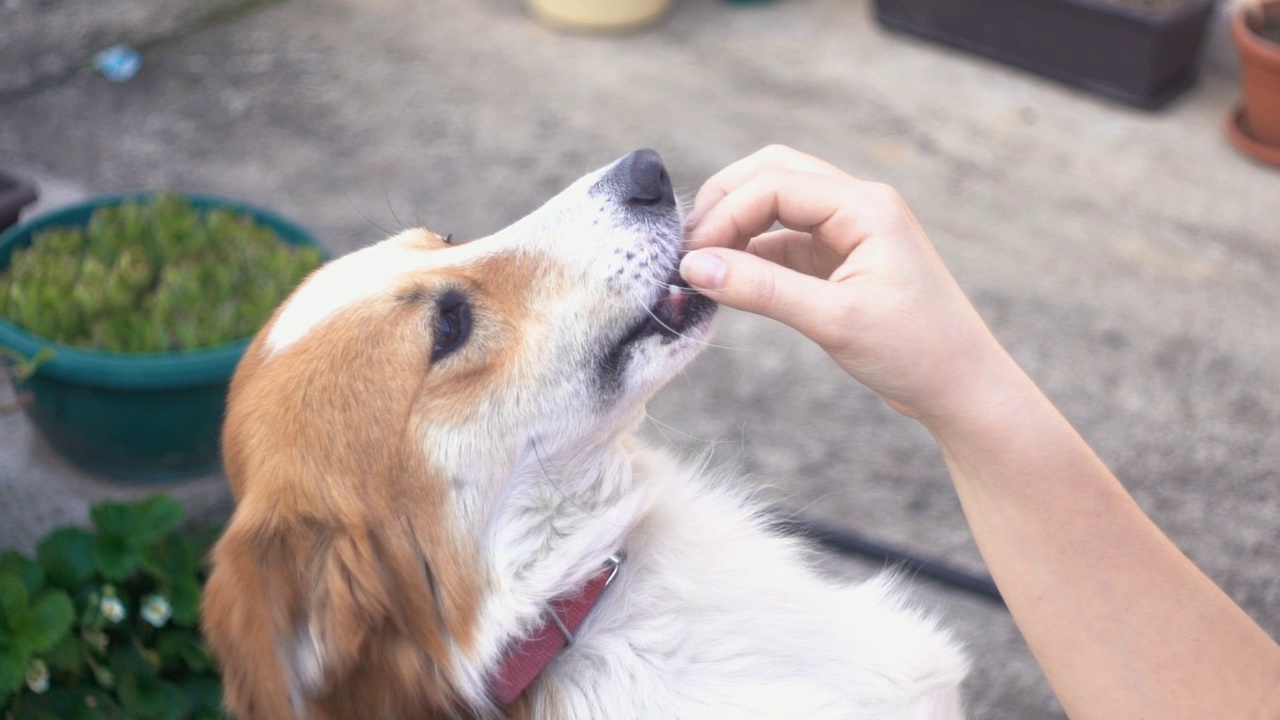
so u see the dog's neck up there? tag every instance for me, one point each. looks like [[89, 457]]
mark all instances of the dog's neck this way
[[557, 512], [526, 657], [559, 517]]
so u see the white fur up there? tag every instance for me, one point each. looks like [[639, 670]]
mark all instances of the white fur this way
[[715, 616], [362, 274]]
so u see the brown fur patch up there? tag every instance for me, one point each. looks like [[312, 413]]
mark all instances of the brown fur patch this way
[[343, 531]]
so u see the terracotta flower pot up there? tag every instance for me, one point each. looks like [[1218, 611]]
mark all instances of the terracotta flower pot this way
[[1255, 128], [599, 14]]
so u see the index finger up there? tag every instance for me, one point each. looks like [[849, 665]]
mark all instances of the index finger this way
[[773, 157], [838, 211]]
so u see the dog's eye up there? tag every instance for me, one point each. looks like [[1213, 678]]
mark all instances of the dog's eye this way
[[453, 324]]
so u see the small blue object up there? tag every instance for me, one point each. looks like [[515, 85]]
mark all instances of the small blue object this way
[[118, 63]]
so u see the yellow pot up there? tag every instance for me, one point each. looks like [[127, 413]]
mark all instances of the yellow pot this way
[[599, 14]]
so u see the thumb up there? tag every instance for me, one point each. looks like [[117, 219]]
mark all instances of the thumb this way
[[751, 283]]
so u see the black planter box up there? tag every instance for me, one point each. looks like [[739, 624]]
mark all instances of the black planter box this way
[[15, 194], [1132, 56]]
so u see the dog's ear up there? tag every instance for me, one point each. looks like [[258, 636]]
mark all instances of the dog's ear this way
[[311, 619], [249, 601]]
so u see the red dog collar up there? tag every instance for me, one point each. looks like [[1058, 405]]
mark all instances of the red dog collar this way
[[526, 659]]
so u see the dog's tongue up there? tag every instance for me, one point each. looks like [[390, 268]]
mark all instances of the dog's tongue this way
[[670, 309]]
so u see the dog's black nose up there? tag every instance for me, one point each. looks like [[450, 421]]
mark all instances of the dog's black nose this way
[[649, 183]]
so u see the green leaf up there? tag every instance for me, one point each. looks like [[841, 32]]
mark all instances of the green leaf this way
[[152, 519], [170, 646], [47, 621], [172, 701], [112, 518], [151, 697], [127, 661], [13, 668], [26, 570], [172, 560], [114, 557], [204, 695], [54, 704], [35, 710], [130, 696], [92, 704], [66, 656], [202, 540], [182, 649], [184, 596], [13, 600], [66, 555]]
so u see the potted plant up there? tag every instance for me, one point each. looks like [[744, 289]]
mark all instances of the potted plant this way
[[1254, 127], [608, 15], [1142, 53], [124, 317], [103, 622]]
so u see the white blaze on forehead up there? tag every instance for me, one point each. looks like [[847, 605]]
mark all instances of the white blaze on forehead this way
[[348, 280], [563, 227]]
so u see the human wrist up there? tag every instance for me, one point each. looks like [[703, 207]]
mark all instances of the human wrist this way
[[986, 388]]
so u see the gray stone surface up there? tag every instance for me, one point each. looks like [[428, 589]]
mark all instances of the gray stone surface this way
[[45, 41], [1128, 260]]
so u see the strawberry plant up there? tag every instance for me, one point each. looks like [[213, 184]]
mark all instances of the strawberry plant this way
[[102, 623]]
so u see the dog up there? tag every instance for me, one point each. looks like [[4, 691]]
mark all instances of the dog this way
[[442, 510]]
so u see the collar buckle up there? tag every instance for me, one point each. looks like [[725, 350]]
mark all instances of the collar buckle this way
[[611, 564]]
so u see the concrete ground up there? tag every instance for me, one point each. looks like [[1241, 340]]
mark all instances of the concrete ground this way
[[1128, 260]]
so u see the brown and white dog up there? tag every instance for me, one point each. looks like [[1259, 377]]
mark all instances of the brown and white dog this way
[[430, 446]]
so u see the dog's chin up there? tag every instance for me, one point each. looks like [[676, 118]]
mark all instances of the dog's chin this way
[[659, 340]]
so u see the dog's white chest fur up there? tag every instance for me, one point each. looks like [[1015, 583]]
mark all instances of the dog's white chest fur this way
[[715, 615]]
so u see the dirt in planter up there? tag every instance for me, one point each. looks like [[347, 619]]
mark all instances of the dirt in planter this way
[[1157, 6]]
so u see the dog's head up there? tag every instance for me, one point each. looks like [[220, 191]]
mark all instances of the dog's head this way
[[376, 425]]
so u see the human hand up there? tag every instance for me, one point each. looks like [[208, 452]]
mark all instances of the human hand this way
[[851, 269]]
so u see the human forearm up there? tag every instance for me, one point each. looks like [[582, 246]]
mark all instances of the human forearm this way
[[1123, 624]]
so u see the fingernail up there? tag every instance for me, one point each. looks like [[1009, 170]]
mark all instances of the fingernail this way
[[703, 269]]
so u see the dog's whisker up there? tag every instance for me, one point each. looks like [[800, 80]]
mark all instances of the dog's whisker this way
[[663, 284], [701, 341], [554, 478], [592, 513], [386, 197], [648, 415], [351, 201]]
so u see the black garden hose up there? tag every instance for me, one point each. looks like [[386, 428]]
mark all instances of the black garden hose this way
[[849, 542]]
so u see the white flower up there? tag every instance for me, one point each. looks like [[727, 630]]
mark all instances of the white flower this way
[[38, 677], [156, 610], [112, 608]]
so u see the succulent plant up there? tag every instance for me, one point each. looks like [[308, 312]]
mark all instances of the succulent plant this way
[[152, 276]]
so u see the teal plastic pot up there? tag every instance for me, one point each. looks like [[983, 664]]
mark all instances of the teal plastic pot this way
[[142, 417]]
